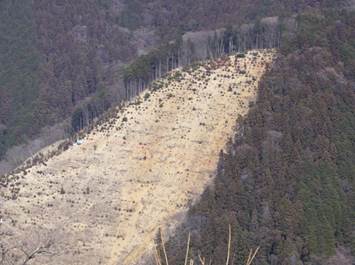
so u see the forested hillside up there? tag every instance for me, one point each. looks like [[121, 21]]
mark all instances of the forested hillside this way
[[63, 60], [57, 56], [102, 199], [173, 17], [287, 182], [19, 71]]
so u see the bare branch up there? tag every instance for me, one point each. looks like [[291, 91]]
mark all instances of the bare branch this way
[[164, 250], [202, 260], [252, 258], [9, 256], [229, 243], [157, 256], [187, 249]]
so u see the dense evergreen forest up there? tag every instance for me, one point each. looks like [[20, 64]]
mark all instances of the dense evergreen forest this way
[[172, 17], [53, 55], [287, 182]]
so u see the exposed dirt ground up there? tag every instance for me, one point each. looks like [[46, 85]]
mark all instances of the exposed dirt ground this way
[[102, 201]]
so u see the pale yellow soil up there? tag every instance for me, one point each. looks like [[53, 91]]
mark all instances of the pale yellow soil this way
[[142, 174]]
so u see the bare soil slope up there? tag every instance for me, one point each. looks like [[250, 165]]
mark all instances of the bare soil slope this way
[[101, 202]]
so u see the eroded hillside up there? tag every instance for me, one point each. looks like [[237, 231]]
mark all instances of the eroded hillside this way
[[103, 200]]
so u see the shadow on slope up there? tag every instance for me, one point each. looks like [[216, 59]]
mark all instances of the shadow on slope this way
[[287, 182]]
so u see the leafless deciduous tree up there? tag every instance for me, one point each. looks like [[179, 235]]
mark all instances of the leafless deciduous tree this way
[[24, 252]]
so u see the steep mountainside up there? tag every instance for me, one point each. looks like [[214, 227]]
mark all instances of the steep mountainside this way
[[60, 59], [287, 182], [171, 17], [57, 56], [103, 200]]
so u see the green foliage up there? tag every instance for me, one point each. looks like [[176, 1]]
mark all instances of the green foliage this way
[[177, 76], [288, 183], [324, 207], [146, 96], [310, 30]]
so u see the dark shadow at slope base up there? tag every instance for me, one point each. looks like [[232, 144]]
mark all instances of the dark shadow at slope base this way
[[287, 181]]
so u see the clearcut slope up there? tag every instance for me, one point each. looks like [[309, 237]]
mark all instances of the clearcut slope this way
[[103, 201]]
